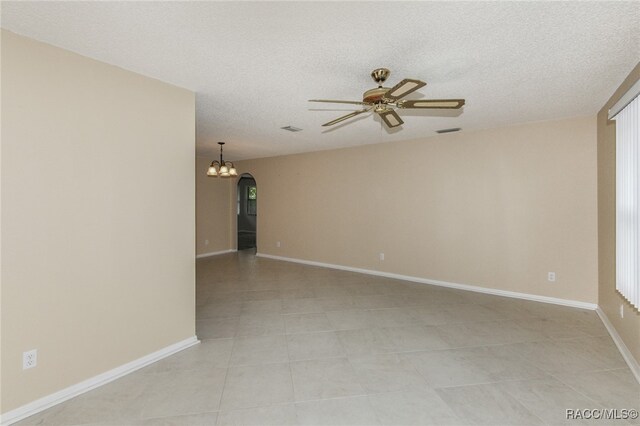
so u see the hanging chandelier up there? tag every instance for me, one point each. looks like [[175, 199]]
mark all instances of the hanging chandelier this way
[[221, 168]]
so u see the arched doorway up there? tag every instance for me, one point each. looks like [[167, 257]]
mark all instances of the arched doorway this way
[[247, 211]]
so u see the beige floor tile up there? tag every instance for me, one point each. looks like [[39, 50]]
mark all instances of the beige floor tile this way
[[259, 350], [487, 333], [466, 366], [598, 350], [386, 373], [218, 310], [210, 353], [200, 419], [404, 301], [329, 304], [184, 392], [349, 319], [428, 315], [416, 338], [257, 385], [266, 284], [305, 346], [301, 306], [324, 378], [391, 317], [363, 342], [367, 288], [458, 313], [421, 406], [594, 330], [515, 308], [234, 297], [297, 293], [331, 291], [307, 323], [262, 307], [374, 302], [610, 388], [352, 411], [566, 356], [217, 328], [260, 324], [273, 415], [552, 329], [548, 399], [487, 405], [262, 295]]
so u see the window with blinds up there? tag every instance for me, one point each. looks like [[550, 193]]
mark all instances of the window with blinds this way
[[628, 202], [252, 200]]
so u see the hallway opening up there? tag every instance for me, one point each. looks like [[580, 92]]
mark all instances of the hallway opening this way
[[247, 212]]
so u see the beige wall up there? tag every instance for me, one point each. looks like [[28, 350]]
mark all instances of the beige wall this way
[[494, 208], [97, 217], [610, 301], [214, 210]]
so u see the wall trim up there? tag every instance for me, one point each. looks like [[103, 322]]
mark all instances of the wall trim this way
[[215, 253], [477, 289], [633, 364], [94, 382]]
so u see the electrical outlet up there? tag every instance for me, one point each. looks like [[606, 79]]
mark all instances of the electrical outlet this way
[[277, 243], [206, 242], [381, 256], [551, 276], [29, 359], [621, 311]]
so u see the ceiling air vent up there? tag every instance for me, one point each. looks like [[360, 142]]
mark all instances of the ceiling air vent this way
[[291, 128], [453, 129]]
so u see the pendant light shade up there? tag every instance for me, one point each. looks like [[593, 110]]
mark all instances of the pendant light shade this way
[[221, 168]]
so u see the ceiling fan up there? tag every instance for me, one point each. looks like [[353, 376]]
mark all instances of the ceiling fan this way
[[383, 100]]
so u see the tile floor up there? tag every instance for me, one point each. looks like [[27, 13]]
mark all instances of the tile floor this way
[[287, 344]]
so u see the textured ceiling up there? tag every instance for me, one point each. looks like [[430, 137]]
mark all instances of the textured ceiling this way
[[253, 65]]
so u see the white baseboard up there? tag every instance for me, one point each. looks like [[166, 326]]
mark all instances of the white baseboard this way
[[624, 351], [215, 253], [92, 383], [516, 295]]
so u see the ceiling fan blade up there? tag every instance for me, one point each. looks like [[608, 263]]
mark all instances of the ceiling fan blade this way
[[391, 118], [331, 101], [345, 117], [433, 103], [403, 88]]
